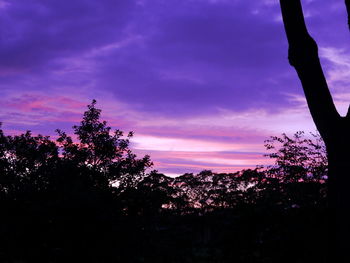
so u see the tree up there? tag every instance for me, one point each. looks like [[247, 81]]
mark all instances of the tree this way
[[334, 129], [60, 199], [103, 153], [26, 163], [298, 158], [60, 195]]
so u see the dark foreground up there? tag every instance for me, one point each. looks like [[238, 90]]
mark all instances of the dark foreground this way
[[93, 234]]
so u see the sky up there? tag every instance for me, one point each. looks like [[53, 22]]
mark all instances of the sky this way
[[202, 83]]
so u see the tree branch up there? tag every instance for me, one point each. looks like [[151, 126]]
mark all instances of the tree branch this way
[[347, 3], [303, 56]]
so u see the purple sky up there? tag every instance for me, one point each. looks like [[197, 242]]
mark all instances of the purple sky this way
[[201, 82]]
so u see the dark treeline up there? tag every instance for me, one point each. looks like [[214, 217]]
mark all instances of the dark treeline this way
[[92, 199]]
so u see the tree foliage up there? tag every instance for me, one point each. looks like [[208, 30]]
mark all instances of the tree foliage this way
[[88, 195], [298, 157]]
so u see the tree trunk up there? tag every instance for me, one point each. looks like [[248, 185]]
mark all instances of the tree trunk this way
[[338, 151], [334, 129]]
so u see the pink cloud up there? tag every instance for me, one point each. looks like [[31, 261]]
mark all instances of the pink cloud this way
[[222, 143], [176, 162]]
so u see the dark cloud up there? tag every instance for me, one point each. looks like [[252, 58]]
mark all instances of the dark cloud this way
[[177, 58], [34, 33], [196, 57]]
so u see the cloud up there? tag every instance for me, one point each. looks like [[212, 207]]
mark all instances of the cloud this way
[[200, 77], [35, 33], [3, 4], [196, 58], [171, 58], [176, 163]]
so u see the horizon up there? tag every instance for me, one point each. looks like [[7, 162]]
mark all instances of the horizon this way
[[201, 83]]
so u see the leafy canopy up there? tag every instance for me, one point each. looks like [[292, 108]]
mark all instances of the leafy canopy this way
[[98, 156]]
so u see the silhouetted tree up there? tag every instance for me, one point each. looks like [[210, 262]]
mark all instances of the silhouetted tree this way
[[26, 163], [92, 198], [334, 129], [297, 158], [61, 195], [300, 171], [102, 151]]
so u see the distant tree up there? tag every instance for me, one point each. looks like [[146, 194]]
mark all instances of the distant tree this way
[[148, 198], [102, 152], [26, 163], [297, 158]]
